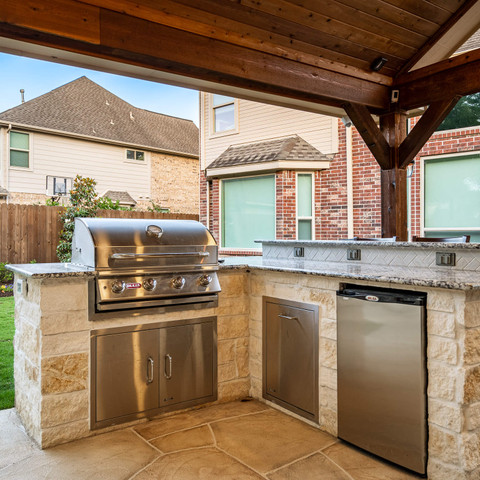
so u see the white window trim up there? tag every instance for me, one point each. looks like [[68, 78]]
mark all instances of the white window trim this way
[[30, 151], [135, 162], [211, 130], [312, 217], [424, 229], [220, 220]]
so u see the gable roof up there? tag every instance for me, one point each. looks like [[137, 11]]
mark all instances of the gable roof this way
[[86, 109], [122, 197], [291, 152]]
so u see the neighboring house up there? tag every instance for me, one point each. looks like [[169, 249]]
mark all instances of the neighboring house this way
[[135, 155], [262, 171]]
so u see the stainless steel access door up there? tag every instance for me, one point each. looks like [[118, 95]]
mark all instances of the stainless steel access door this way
[[126, 378], [290, 356], [186, 363], [382, 379]]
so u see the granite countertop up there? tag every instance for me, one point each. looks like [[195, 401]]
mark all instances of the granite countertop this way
[[51, 270], [359, 243], [423, 277]]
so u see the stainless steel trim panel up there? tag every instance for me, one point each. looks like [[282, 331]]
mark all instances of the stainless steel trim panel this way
[[382, 375]]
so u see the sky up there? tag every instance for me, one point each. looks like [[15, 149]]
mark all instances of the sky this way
[[37, 77]]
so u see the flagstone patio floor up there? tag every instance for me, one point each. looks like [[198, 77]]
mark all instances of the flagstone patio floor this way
[[233, 441]]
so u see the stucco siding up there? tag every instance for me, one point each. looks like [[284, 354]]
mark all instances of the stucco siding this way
[[258, 121]]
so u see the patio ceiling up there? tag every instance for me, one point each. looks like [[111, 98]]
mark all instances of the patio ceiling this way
[[309, 54]]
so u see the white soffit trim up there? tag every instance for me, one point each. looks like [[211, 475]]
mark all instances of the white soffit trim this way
[[266, 167]]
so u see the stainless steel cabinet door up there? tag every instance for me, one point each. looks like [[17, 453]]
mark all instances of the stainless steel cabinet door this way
[[291, 357], [186, 363], [126, 376]]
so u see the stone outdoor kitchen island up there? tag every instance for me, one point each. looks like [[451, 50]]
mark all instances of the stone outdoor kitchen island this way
[[52, 341]]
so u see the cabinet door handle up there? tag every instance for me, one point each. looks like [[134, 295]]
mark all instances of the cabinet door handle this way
[[168, 361], [286, 317], [150, 370]]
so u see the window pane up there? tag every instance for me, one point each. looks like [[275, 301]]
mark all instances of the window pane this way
[[304, 196], [452, 192], [19, 140], [130, 155], [474, 236], [140, 156], [224, 118], [304, 229], [248, 211], [18, 159], [221, 99]]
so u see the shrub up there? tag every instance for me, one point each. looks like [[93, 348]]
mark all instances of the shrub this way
[[83, 203], [6, 276]]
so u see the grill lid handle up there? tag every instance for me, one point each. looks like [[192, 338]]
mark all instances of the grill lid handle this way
[[139, 256]]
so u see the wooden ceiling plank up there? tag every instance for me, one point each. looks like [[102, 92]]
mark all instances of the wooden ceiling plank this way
[[369, 131], [249, 16], [449, 5], [185, 18], [461, 79], [423, 9], [367, 22], [331, 26], [424, 129], [451, 23], [394, 15], [54, 15]]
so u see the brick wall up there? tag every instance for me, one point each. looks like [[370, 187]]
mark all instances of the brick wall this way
[[175, 183]]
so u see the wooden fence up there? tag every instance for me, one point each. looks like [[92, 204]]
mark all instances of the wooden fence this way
[[31, 232]]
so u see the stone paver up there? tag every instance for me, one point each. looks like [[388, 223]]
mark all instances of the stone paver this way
[[234, 441]]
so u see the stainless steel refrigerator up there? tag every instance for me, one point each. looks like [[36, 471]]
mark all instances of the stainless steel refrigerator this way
[[382, 381]]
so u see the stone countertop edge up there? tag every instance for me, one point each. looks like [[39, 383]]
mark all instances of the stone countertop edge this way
[[255, 263], [51, 270], [339, 243]]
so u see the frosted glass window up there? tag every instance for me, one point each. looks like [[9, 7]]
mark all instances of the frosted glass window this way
[[19, 149], [248, 211], [304, 206], [452, 197], [223, 113]]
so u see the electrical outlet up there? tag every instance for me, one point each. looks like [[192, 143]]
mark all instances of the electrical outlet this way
[[298, 252], [445, 259], [354, 254]]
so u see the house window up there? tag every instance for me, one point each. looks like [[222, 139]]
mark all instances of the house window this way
[[304, 206], [248, 211], [223, 113], [19, 149], [57, 186], [136, 155], [452, 197]]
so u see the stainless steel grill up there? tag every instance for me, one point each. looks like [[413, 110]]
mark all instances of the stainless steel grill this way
[[148, 263]]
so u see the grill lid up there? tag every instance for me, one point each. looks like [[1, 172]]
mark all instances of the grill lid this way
[[139, 244]]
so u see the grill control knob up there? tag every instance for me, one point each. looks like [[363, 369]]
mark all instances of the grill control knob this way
[[118, 286], [205, 280], [177, 282], [149, 284]]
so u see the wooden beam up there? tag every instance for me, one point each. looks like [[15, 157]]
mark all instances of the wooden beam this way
[[394, 203], [369, 131], [424, 129], [453, 77], [147, 44]]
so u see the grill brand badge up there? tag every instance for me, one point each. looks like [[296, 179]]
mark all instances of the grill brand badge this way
[[133, 285]]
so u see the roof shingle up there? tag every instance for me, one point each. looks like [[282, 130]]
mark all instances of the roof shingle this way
[[292, 148], [83, 107]]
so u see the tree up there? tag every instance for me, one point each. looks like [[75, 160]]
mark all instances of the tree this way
[[466, 113], [83, 203]]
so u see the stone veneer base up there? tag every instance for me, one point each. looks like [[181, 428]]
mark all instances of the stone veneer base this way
[[52, 357]]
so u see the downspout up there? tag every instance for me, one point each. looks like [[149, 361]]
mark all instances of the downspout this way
[[6, 161], [349, 152]]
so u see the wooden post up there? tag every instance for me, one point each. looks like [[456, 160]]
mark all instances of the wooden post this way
[[394, 179]]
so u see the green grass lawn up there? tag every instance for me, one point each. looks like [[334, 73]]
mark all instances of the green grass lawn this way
[[7, 329]]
